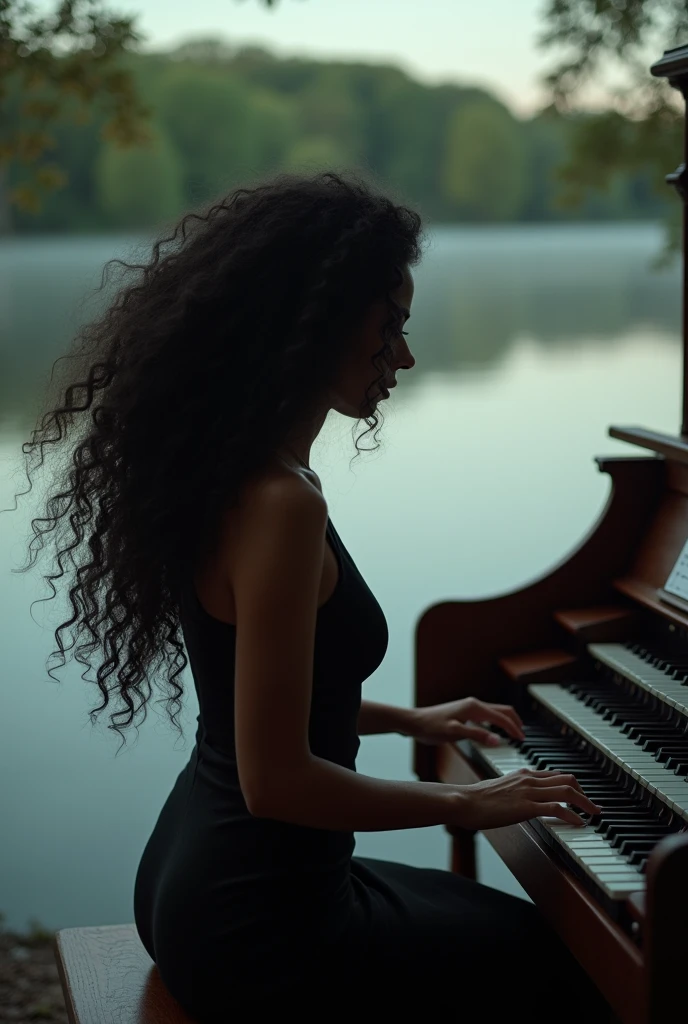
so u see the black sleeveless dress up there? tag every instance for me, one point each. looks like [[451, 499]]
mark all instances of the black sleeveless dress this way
[[244, 912]]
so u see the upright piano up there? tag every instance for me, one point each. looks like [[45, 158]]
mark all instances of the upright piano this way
[[594, 656]]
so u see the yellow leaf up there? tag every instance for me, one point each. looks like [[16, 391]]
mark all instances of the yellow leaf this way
[[31, 145], [51, 177], [25, 198], [40, 108]]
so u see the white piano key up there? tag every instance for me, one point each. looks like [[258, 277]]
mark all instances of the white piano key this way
[[597, 860], [622, 890], [616, 879], [596, 839]]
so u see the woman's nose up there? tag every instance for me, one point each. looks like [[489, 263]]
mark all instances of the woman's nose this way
[[407, 361]]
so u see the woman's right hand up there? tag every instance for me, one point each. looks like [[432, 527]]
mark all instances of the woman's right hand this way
[[519, 796]]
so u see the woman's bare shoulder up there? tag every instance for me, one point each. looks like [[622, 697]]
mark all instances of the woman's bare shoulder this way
[[276, 481], [273, 485], [278, 475]]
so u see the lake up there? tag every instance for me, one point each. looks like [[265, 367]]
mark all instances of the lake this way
[[529, 342]]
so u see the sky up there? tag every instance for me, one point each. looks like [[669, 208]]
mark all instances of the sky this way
[[491, 43]]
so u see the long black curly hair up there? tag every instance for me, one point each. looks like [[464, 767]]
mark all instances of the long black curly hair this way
[[189, 381]]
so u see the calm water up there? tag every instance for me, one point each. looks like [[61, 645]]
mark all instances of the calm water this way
[[529, 343]]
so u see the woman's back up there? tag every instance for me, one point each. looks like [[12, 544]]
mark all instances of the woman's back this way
[[215, 879]]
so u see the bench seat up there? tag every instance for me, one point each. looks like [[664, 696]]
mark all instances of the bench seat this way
[[108, 978]]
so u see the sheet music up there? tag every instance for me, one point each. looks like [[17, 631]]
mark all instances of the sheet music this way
[[678, 578]]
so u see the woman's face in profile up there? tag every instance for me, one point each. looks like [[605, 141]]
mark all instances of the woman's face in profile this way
[[359, 373]]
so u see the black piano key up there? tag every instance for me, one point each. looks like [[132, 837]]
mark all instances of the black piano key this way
[[633, 847], [663, 750], [640, 841], [608, 829], [644, 829], [662, 755]]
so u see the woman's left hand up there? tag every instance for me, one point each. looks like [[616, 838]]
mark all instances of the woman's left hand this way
[[443, 723]]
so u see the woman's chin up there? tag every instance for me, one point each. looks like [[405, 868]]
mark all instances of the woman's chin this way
[[370, 404]]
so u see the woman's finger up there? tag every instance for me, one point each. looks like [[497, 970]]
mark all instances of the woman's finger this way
[[568, 795], [490, 714], [558, 811], [476, 733], [565, 779], [509, 710]]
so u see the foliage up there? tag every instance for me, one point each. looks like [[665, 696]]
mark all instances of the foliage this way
[[230, 115], [73, 82], [599, 34], [220, 129], [593, 38], [645, 127], [140, 187], [485, 162], [49, 61]]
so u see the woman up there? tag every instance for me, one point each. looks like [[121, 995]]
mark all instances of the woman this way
[[217, 371]]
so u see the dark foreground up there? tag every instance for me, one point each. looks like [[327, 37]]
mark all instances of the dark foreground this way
[[29, 983]]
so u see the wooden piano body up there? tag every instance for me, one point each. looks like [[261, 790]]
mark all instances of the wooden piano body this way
[[605, 592]]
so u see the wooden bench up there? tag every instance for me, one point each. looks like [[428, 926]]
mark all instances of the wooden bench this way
[[107, 977]]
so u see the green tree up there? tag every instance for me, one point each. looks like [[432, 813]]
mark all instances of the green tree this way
[[72, 51], [484, 172], [547, 140], [274, 128], [211, 120], [326, 109], [596, 36], [74, 207], [248, 112], [315, 152], [140, 186], [48, 61]]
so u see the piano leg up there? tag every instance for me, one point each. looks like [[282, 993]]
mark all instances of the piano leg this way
[[463, 852]]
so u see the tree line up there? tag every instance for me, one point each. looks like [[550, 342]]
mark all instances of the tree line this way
[[223, 116]]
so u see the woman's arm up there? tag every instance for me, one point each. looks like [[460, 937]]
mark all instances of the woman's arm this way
[[374, 718], [275, 574], [325, 795]]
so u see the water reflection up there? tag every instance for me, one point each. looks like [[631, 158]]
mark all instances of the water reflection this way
[[478, 291]]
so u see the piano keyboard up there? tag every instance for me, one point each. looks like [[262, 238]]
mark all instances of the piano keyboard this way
[[662, 677], [628, 753], [625, 738], [584, 846]]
